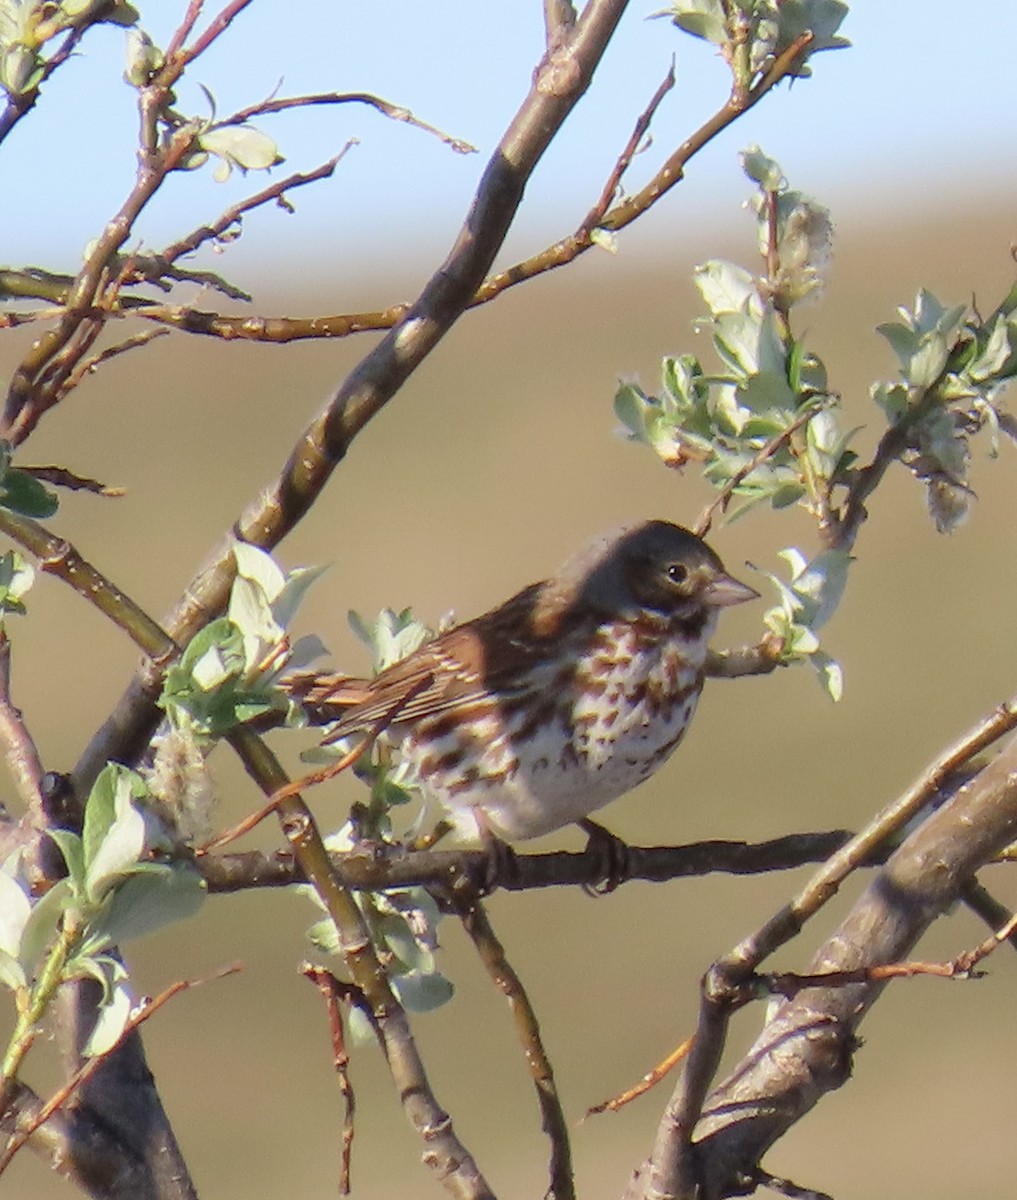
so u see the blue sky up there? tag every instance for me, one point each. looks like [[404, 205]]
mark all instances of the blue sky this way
[[915, 112]]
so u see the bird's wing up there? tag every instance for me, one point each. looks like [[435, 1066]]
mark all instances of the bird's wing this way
[[496, 651]]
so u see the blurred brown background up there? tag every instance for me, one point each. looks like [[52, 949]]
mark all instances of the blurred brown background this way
[[496, 460]]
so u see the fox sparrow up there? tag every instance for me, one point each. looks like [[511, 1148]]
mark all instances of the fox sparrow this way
[[566, 696]]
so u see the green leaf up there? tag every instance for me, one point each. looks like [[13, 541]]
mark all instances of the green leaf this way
[[114, 829], [153, 897], [702, 19], [240, 146], [725, 287], [12, 975], [23, 493], [43, 924], [111, 1021], [831, 676], [15, 909], [821, 17], [293, 591], [16, 577], [70, 846], [422, 992], [762, 169]]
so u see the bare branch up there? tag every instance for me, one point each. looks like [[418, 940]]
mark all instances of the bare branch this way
[[65, 478], [19, 749], [395, 867], [610, 189], [335, 991], [806, 1047], [395, 112], [673, 1167], [155, 264], [57, 556], [561, 1185], [284, 329]]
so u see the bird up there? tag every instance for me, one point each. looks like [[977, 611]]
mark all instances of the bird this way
[[568, 695]]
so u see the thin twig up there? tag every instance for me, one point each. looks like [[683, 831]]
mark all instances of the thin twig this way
[[80, 1077], [233, 214], [217, 27], [334, 992], [58, 557], [765, 452], [561, 1185], [648, 1081], [395, 112], [88, 366], [63, 477], [561, 253], [624, 161], [19, 749]]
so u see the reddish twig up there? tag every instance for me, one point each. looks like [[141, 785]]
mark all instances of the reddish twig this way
[[607, 195], [233, 214], [335, 992], [766, 451], [80, 1077]]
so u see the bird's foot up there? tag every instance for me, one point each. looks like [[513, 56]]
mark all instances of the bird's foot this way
[[612, 854], [502, 864]]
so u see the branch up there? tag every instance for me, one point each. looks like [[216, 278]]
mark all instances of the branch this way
[[806, 1048], [444, 1153], [672, 1168], [378, 868], [58, 557], [557, 87], [492, 954], [395, 112], [286, 329], [19, 749], [155, 265], [64, 1094]]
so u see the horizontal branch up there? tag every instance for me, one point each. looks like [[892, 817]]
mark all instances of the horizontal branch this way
[[378, 868]]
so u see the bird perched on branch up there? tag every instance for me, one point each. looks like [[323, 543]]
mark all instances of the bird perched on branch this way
[[563, 698]]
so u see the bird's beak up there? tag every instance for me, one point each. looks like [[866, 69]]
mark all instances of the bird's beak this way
[[724, 590]]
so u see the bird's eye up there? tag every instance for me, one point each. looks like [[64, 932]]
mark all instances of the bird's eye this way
[[677, 572]]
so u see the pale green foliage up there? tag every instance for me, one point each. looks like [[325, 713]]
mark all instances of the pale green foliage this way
[[235, 145], [403, 923], [767, 385], [953, 370], [115, 889], [391, 780], [751, 33], [227, 673], [16, 577], [807, 601], [27, 25], [765, 426]]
